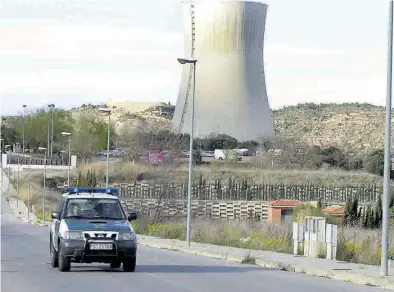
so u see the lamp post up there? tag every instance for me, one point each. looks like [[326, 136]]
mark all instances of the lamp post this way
[[192, 61], [23, 141], [1, 153], [67, 134], [387, 152], [50, 128], [5, 151], [53, 106], [108, 112], [44, 190], [28, 191]]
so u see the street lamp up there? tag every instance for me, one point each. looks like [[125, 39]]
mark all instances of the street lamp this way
[[50, 126], [67, 134], [28, 190], [43, 193], [108, 112], [23, 142], [387, 152], [1, 153], [193, 61], [53, 106]]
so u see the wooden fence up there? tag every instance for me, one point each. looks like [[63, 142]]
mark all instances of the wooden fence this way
[[252, 192]]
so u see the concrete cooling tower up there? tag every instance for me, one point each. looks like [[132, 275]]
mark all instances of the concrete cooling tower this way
[[227, 39]]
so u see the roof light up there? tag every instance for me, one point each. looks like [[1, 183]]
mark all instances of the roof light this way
[[76, 190]]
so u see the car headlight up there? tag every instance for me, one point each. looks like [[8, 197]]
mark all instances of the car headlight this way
[[76, 235], [126, 236]]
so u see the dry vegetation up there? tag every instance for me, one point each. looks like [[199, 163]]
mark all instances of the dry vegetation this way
[[36, 191], [354, 126], [125, 172]]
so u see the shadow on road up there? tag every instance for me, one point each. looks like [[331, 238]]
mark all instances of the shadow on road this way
[[173, 269]]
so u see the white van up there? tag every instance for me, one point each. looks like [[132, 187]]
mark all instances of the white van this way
[[221, 154]]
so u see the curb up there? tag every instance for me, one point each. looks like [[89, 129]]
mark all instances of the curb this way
[[344, 276]]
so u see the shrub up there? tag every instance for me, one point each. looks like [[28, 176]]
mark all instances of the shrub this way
[[374, 163]]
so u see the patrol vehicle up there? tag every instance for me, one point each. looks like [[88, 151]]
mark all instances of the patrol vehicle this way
[[92, 225]]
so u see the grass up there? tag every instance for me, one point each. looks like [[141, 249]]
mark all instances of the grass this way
[[249, 259], [355, 245], [127, 172]]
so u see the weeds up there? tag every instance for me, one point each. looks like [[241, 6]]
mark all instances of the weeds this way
[[249, 259], [128, 172]]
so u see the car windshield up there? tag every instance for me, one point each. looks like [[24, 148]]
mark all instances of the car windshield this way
[[94, 208]]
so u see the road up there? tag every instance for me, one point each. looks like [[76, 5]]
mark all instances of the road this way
[[25, 267]]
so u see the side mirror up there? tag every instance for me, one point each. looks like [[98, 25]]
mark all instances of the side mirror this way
[[55, 215], [132, 216]]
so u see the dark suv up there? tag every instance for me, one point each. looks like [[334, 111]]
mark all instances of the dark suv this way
[[91, 225]]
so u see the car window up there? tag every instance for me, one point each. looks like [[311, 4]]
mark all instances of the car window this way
[[94, 208]]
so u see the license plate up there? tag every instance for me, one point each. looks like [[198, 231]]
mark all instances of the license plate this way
[[101, 246]]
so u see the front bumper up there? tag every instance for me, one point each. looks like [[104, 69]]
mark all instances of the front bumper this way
[[79, 250]]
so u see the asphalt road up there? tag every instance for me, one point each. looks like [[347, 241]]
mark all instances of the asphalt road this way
[[25, 267]]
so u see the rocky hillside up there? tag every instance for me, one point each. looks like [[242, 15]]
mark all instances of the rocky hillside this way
[[352, 126]]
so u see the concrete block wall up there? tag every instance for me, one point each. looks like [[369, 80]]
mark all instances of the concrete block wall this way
[[200, 208]]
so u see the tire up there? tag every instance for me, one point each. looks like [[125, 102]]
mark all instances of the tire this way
[[64, 262], [129, 264], [53, 255], [115, 264]]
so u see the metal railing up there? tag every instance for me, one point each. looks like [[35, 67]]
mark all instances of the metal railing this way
[[23, 160]]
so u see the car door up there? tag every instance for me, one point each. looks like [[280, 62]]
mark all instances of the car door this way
[[56, 223]]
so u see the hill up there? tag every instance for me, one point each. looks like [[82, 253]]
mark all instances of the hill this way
[[350, 126], [353, 126]]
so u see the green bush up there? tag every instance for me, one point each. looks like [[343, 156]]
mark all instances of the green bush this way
[[374, 163]]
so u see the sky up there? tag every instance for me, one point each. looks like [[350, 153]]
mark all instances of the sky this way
[[70, 52]]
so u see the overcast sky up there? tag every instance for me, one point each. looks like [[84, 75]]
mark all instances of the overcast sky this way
[[70, 52]]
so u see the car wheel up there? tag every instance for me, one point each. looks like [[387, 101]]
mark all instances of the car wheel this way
[[53, 255], [129, 264], [115, 264], [64, 262]]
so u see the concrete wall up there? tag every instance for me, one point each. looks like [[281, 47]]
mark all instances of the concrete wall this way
[[230, 93], [201, 209]]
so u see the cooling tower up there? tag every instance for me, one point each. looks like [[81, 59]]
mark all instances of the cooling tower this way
[[227, 39]]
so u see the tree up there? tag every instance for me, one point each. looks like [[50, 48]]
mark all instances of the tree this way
[[352, 213], [378, 213], [90, 136], [296, 154], [374, 162], [36, 128], [334, 156], [130, 141]]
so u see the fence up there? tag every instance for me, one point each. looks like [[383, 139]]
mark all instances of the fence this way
[[23, 160], [253, 192]]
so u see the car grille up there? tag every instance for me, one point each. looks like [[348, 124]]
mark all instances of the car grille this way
[[100, 235]]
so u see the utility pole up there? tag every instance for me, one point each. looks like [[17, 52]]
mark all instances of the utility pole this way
[[53, 110], [387, 152], [24, 125], [49, 128]]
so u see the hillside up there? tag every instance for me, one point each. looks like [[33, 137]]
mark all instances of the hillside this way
[[350, 126]]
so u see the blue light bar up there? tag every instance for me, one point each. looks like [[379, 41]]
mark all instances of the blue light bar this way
[[111, 191]]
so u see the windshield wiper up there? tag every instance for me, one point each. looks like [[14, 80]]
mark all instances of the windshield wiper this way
[[107, 217]]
